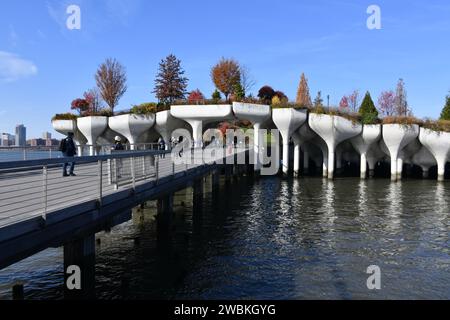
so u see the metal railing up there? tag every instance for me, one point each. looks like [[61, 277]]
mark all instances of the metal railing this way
[[36, 188], [28, 153]]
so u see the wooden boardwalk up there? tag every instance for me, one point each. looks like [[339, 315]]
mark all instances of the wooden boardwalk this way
[[39, 206]]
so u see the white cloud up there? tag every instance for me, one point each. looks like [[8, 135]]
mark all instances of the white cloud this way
[[13, 68]]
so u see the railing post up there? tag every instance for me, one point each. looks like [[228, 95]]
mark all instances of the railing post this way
[[24, 154], [133, 173], [157, 168], [45, 190], [100, 186], [173, 166]]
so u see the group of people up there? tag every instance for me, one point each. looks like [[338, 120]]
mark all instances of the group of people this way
[[69, 150]]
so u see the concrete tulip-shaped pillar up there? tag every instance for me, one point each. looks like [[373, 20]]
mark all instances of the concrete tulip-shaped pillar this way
[[257, 114], [199, 115], [92, 128], [288, 120], [370, 134], [132, 126], [406, 154], [396, 137], [66, 126], [424, 159], [300, 137], [166, 124], [333, 130], [438, 143]]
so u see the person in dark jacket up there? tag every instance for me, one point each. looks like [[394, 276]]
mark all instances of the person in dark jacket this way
[[118, 146], [69, 150]]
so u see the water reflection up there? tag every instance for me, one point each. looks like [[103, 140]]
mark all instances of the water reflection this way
[[272, 239]]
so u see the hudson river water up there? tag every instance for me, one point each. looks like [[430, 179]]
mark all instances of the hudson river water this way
[[272, 239]]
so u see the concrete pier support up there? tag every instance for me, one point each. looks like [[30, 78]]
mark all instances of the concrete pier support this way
[[305, 162], [228, 173], [363, 166], [297, 159], [80, 253], [330, 164], [164, 214], [215, 180], [197, 205], [425, 173], [441, 170]]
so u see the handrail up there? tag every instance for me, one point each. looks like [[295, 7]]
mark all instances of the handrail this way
[[84, 159]]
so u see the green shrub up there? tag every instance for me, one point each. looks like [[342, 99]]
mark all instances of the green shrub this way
[[64, 116], [144, 108]]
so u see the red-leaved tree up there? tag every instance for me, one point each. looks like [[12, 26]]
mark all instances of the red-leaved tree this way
[[386, 103], [196, 97]]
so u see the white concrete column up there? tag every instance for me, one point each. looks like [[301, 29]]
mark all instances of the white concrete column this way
[[297, 159], [285, 160], [394, 167], [363, 166], [425, 173], [441, 169], [331, 156]]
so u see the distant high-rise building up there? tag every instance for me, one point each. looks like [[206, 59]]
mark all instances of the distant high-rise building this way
[[47, 136], [21, 135], [5, 140]]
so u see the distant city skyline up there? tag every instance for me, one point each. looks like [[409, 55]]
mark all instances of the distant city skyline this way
[[44, 65]]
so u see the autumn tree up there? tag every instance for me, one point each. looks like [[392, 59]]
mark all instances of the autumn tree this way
[[445, 114], [400, 102], [225, 75], [247, 81], [386, 103], [81, 105], [303, 97], [196, 96], [353, 101], [111, 81], [368, 111], [170, 82], [94, 99], [343, 104], [265, 94]]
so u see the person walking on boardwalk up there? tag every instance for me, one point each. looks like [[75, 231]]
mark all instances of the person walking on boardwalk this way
[[118, 146], [69, 150]]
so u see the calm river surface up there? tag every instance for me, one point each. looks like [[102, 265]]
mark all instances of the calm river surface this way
[[272, 239]]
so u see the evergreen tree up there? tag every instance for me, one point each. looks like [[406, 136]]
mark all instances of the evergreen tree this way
[[238, 92], [368, 111], [318, 101], [303, 97], [170, 83], [445, 114], [216, 96]]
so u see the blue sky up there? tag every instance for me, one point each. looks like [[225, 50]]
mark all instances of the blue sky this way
[[44, 66]]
